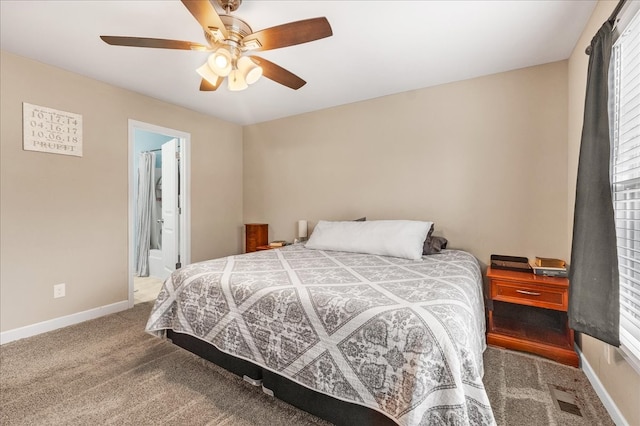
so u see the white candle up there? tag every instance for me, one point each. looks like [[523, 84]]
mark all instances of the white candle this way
[[302, 229]]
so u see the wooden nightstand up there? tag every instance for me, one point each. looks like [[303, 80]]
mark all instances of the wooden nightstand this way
[[529, 314], [256, 234], [267, 247]]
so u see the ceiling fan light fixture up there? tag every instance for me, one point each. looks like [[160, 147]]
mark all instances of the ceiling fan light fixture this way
[[249, 69], [220, 62], [208, 74], [236, 81]]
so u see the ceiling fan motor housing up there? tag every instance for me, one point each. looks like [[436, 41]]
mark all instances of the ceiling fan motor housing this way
[[237, 30]]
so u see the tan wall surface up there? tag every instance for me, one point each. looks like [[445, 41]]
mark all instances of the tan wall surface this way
[[620, 380], [485, 159], [64, 219]]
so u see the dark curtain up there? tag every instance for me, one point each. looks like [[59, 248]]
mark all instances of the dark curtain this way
[[594, 287]]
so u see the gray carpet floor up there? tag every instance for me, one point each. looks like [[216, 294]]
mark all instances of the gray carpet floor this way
[[109, 371]]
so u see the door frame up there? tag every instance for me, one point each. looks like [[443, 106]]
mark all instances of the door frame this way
[[185, 194]]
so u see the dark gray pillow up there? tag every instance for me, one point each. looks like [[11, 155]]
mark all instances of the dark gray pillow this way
[[436, 244], [432, 244], [362, 219]]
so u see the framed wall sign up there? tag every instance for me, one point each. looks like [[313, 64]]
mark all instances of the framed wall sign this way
[[50, 130]]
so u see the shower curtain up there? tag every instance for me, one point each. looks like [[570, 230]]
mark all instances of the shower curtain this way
[[156, 211], [144, 207]]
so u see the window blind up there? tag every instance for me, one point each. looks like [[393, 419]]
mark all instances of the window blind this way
[[626, 179]]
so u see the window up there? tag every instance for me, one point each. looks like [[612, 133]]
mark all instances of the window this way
[[625, 177]]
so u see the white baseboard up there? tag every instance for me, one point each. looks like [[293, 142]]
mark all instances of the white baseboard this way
[[54, 324], [604, 396]]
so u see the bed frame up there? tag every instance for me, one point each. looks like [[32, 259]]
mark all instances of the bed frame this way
[[328, 408]]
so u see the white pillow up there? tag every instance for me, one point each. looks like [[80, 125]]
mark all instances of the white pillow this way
[[397, 238]]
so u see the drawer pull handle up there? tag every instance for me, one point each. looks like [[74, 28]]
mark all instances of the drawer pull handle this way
[[529, 293]]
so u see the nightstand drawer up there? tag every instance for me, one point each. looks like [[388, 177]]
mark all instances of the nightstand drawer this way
[[532, 295]]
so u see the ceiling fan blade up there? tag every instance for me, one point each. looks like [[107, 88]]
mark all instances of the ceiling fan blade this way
[[206, 15], [207, 86], [153, 42], [290, 34], [278, 74]]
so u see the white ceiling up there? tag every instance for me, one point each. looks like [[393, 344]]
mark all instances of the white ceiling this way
[[377, 48]]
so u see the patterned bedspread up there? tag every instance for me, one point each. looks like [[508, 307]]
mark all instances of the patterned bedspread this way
[[402, 337]]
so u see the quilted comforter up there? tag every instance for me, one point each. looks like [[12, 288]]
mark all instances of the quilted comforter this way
[[402, 337]]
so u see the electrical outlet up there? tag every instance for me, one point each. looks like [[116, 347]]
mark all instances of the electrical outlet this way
[[58, 290]]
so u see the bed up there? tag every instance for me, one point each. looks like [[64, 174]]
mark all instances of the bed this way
[[354, 338]]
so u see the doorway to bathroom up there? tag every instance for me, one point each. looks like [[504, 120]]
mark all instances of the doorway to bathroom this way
[[159, 229]]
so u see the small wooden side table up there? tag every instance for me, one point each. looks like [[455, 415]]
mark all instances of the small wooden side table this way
[[529, 314], [256, 234]]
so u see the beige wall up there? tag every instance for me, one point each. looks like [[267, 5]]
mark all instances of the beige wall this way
[[485, 159], [619, 379], [64, 219]]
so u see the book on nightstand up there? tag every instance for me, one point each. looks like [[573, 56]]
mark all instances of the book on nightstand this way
[[549, 267], [549, 262], [277, 243]]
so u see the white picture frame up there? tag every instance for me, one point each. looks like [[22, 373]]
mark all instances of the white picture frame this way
[[51, 130]]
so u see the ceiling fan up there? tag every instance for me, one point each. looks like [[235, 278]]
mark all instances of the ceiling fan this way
[[229, 38]]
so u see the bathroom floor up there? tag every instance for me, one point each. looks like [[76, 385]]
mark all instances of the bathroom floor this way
[[146, 289]]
